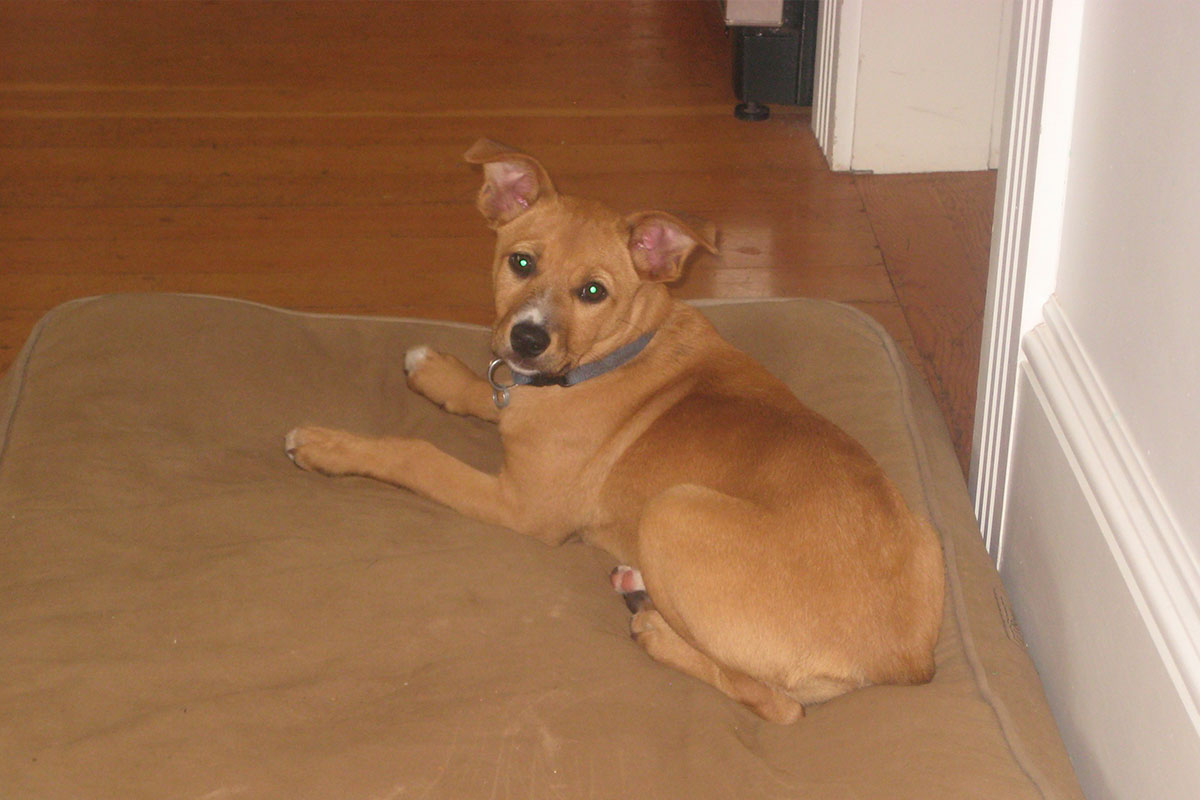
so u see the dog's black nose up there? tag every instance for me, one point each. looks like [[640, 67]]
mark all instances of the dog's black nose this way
[[529, 340]]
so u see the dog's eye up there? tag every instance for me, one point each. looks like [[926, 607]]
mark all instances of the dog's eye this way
[[593, 292], [522, 264]]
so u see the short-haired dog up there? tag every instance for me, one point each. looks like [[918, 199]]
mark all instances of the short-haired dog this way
[[763, 550]]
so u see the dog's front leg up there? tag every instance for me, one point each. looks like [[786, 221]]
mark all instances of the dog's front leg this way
[[450, 383], [409, 463]]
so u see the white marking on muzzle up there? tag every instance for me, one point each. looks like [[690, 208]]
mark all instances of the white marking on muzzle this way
[[533, 313]]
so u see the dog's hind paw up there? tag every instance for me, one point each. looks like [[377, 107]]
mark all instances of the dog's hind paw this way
[[628, 581]]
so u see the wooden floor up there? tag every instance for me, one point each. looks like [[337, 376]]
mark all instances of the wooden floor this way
[[309, 155]]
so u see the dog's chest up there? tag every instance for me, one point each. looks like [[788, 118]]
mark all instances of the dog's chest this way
[[559, 447], [542, 434]]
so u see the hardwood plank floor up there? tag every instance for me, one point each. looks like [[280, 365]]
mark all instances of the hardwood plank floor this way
[[308, 155], [934, 232]]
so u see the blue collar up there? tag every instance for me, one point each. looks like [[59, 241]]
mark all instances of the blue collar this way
[[594, 369]]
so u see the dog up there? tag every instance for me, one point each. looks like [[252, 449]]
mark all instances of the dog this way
[[763, 550]]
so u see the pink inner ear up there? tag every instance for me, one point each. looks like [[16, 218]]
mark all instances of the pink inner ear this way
[[651, 237], [513, 186], [660, 244]]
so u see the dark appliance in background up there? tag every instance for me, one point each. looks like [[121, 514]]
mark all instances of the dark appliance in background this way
[[775, 65]]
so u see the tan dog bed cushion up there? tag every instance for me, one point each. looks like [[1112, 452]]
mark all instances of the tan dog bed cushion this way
[[184, 614]]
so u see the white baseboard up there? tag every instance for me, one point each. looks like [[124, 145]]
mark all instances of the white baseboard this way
[[1104, 582], [1162, 570]]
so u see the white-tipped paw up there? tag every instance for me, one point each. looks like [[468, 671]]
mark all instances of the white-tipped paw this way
[[320, 450], [291, 442], [415, 358]]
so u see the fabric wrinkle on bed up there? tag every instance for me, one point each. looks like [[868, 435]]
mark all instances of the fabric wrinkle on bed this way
[[185, 614]]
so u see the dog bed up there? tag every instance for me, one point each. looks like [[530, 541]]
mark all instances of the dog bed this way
[[184, 614]]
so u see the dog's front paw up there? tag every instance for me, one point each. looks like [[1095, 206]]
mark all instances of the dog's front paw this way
[[442, 378], [415, 358], [321, 450], [425, 369]]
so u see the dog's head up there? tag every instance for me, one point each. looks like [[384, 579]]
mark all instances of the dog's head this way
[[574, 280]]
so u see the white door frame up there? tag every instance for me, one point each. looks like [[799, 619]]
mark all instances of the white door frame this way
[[1026, 231], [836, 80]]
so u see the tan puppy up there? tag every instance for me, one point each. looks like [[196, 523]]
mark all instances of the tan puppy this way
[[783, 565]]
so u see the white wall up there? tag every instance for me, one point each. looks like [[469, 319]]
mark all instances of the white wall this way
[[753, 12], [1126, 731], [1089, 446], [926, 85], [1129, 272], [910, 85]]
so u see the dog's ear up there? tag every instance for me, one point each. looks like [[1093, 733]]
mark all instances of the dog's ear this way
[[661, 243], [512, 181]]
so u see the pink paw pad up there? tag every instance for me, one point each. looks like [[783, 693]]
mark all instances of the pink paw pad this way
[[626, 580]]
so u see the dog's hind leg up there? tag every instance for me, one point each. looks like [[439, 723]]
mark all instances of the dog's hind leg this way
[[667, 647], [664, 645], [698, 560]]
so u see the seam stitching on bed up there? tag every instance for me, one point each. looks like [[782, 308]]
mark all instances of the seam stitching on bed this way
[[1016, 747], [19, 372], [311, 314]]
